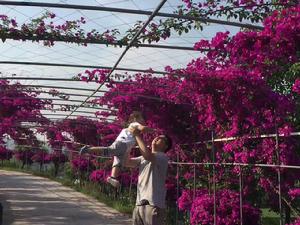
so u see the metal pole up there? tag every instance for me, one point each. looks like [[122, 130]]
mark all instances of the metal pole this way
[[80, 66], [88, 165], [214, 176], [177, 185], [58, 87], [241, 194], [43, 161], [52, 99], [67, 79], [26, 161], [278, 175], [194, 184], [130, 186]]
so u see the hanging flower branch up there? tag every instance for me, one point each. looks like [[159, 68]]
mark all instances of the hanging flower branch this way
[[96, 75], [59, 94], [43, 28], [254, 11]]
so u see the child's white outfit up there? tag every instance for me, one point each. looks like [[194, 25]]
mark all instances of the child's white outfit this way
[[122, 145]]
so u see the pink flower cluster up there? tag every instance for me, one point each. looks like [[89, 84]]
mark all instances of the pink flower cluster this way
[[24, 156], [99, 176], [82, 165], [19, 104], [41, 157], [57, 157], [296, 87], [294, 193], [202, 209], [296, 222]]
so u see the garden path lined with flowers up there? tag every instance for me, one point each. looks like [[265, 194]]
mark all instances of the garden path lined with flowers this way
[[28, 199]]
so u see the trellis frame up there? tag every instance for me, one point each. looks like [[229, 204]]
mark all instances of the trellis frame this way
[[115, 67]]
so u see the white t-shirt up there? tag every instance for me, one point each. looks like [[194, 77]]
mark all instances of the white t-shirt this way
[[127, 137], [151, 180]]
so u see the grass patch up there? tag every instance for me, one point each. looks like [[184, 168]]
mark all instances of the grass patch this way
[[269, 217]]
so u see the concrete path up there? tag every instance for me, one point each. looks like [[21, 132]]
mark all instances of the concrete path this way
[[30, 200]]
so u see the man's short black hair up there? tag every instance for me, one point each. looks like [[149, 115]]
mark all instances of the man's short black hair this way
[[168, 142]]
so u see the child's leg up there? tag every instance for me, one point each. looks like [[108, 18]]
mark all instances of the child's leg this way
[[113, 179], [115, 171], [104, 151], [114, 149]]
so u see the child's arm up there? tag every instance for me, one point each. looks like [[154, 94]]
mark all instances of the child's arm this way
[[92, 150], [145, 129]]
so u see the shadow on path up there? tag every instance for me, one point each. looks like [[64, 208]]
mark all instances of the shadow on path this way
[[34, 200]]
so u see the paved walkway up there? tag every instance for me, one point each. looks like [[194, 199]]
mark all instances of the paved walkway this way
[[30, 200]]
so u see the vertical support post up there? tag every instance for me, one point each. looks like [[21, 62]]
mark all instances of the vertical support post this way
[[194, 184], [26, 159], [1, 214], [130, 186], [45, 167], [88, 165], [241, 194], [43, 161], [278, 175], [214, 175], [177, 184], [59, 154]]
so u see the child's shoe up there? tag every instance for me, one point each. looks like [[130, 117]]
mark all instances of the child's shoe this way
[[84, 150], [113, 181]]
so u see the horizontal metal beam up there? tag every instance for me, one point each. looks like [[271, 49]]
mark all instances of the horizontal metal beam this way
[[68, 88], [59, 110], [100, 42], [53, 99], [65, 79], [56, 99], [33, 120], [55, 118], [68, 100], [81, 66], [69, 94], [86, 107], [58, 87], [129, 11], [42, 78], [61, 114], [56, 79]]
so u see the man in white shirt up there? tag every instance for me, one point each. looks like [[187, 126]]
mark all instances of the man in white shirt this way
[[151, 191]]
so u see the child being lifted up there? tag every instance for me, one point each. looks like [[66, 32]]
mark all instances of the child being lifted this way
[[121, 146]]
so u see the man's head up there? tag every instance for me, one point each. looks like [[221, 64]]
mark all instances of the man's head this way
[[162, 143]]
